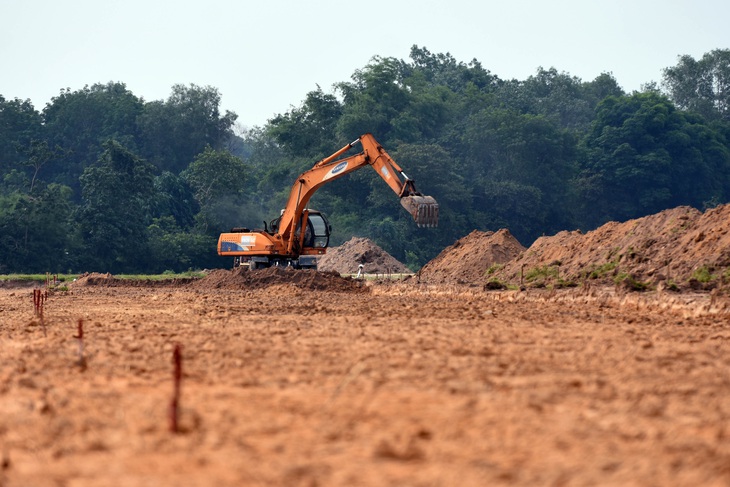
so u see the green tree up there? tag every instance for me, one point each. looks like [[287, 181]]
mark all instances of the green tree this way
[[174, 249], [703, 85], [173, 197], [445, 71], [374, 98], [37, 233], [564, 99], [175, 131], [38, 155], [217, 178], [512, 154], [79, 122], [307, 131], [116, 191], [643, 155], [20, 124]]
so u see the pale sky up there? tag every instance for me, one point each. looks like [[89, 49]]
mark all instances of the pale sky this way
[[265, 56]]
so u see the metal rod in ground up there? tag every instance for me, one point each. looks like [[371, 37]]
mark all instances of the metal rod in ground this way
[[177, 376], [80, 337]]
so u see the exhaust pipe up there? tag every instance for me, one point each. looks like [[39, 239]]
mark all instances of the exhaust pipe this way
[[423, 209]]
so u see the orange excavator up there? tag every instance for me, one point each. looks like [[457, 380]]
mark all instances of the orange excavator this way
[[300, 234]]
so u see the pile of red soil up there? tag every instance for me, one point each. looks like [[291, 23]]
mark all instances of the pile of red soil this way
[[678, 247], [94, 279], [347, 258], [243, 278], [470, 258]]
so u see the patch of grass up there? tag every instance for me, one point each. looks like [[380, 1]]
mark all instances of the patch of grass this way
[[631, 283], [672, 286], [630, 252], [703, 274], [161, 277], [612, 252], [602, 270], [493, 268], [541, 273], [41, 278], [562, 283]]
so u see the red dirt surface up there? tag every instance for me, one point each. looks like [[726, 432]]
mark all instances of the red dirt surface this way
[[470, 258], [243, 279], [403, 385], [666, 249], [357, 251], [669, 250], [298, 378]]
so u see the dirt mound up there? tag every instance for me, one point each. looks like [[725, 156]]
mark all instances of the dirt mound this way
[[677, 247], [347, 258], [93, 279], [109, 280], [242, 278], [470, 258]]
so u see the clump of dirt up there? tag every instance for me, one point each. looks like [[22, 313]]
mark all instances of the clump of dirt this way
[[94, 279], [347, 258], [679, 247], [472, 258], [243, 278]]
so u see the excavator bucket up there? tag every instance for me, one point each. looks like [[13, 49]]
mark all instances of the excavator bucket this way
[[424, 209]]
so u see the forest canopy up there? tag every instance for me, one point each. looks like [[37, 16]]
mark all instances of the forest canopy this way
[[102, 180]]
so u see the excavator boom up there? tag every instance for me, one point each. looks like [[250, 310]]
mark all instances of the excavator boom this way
[[423, 209]]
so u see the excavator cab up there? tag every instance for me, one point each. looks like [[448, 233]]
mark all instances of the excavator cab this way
[[317, 234], [317, 229]]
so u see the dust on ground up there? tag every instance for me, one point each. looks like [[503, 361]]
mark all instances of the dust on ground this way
[[347, 258]]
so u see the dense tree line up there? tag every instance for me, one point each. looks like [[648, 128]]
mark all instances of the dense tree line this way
[[101, 179]]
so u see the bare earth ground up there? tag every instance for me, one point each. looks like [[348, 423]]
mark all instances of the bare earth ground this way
[[393, 384]]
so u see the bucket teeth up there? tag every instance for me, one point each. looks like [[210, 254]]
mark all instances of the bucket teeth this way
[[424, 209]]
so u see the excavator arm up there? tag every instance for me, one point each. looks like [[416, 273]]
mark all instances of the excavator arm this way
[[424, 209]]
